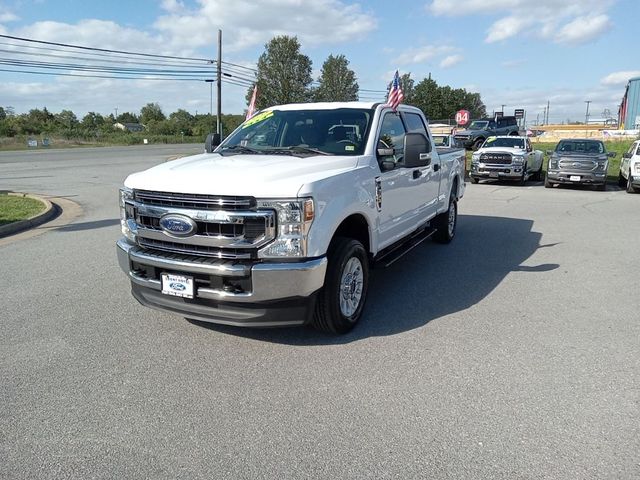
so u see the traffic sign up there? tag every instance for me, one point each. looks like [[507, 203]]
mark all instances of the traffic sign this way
[[462, 117], [519, 112]]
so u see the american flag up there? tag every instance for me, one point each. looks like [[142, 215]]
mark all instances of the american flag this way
[[252, 104], [395, 96]]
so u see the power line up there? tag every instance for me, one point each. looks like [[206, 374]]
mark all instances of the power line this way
[[115, 77], [102, 49]]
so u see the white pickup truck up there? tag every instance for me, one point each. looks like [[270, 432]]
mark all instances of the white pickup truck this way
[[280, 224], [629, 175], [506, 158]]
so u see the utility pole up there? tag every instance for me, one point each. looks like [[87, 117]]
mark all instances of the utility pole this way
[[219, 79], [502, 108], [547, 122], [586, 116], [116, 117]]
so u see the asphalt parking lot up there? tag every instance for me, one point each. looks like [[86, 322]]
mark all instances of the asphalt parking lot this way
[[511, 353]]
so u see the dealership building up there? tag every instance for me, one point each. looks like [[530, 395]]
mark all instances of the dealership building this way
[[629, 113]]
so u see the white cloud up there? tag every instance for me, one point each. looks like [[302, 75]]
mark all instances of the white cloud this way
[[560, 21], [619, 78], [422, 54], [583, 29], [506, 28], [6, 17], [250, 23], [451, 60]]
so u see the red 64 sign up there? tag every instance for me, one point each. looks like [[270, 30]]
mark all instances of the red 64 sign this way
[[462, 117]]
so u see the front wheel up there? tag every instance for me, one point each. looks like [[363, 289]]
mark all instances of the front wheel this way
[[446, 222], [630, 187], [474, 180], [341, 300], [477, 144], [547, 183], [622, 182]]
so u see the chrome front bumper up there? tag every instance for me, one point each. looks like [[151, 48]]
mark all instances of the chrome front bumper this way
[[271, 284]]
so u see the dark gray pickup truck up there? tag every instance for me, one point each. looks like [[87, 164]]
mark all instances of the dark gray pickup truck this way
[[479, 130], [579, 162]]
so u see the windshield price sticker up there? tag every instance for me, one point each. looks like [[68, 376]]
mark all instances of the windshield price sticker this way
[[177, 285], [258, 118]]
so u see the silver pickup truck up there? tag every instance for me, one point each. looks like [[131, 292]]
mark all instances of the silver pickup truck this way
[[578, 162]]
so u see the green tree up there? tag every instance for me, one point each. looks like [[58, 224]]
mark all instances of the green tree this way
[[337, 81], [182, 122], [284, 74], [92, 121], [127, 117], [151, 112], [442, 102], [3, 114]]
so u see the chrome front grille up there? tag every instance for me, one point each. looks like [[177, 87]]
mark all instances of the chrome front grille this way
[[496, 158], [174, 247], [575, 164], [194, 201], [224, 229]]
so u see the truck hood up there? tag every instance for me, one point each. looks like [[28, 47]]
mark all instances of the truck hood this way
[[511, 150], [243, 175], [469, 132]]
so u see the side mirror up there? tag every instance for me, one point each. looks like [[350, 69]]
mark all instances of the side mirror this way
[[611, 154], [387, 165], [625, 155], [549, 152], [212, 141], [417, 150]]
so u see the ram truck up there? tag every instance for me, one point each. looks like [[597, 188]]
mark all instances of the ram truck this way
[[280, 224], [629, 174], [506, 158], [578, 161]]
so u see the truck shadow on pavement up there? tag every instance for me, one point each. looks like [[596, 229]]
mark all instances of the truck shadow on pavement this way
[[428, 283]]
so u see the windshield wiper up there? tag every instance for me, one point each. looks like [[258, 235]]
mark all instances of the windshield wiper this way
[[299, 149], [239, 148]]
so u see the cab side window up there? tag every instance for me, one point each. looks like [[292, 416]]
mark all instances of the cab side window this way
[[392, 134], [416, 124]]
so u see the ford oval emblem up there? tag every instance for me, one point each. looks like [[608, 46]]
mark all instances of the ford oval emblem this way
[[178, 286], [178, 225]]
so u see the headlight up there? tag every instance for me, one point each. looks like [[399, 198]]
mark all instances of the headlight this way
[[127, 215], [294, 219], [553, 163], [517, 160], [602, 166], [475, 157]]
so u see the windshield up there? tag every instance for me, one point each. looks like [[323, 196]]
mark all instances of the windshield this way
[[478, 125], [580, 146], [511, 142], [340, 131], [441, 140]]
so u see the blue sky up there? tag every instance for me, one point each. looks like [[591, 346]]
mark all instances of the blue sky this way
[[517, 53]]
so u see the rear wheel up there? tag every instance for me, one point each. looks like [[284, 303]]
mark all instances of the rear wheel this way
[[447, 221], [341, 300]]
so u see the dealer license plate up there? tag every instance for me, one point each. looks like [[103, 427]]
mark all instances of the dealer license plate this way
[[177, 285], [493, 174], [574, 178]]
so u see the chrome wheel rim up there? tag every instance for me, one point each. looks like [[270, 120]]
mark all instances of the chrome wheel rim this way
[[351, 284]]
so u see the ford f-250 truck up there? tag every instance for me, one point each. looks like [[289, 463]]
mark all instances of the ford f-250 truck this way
[[280, 224]]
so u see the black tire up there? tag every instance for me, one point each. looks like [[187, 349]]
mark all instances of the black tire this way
[[539, 174], [447, 222], [602, 188], [523, 179], [630, 187], [547, 183], [331, 315], [477, 144], [514, 134], [622, 182], [474, 180]]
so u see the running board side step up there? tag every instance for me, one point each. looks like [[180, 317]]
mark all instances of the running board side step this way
[[395, 252]]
